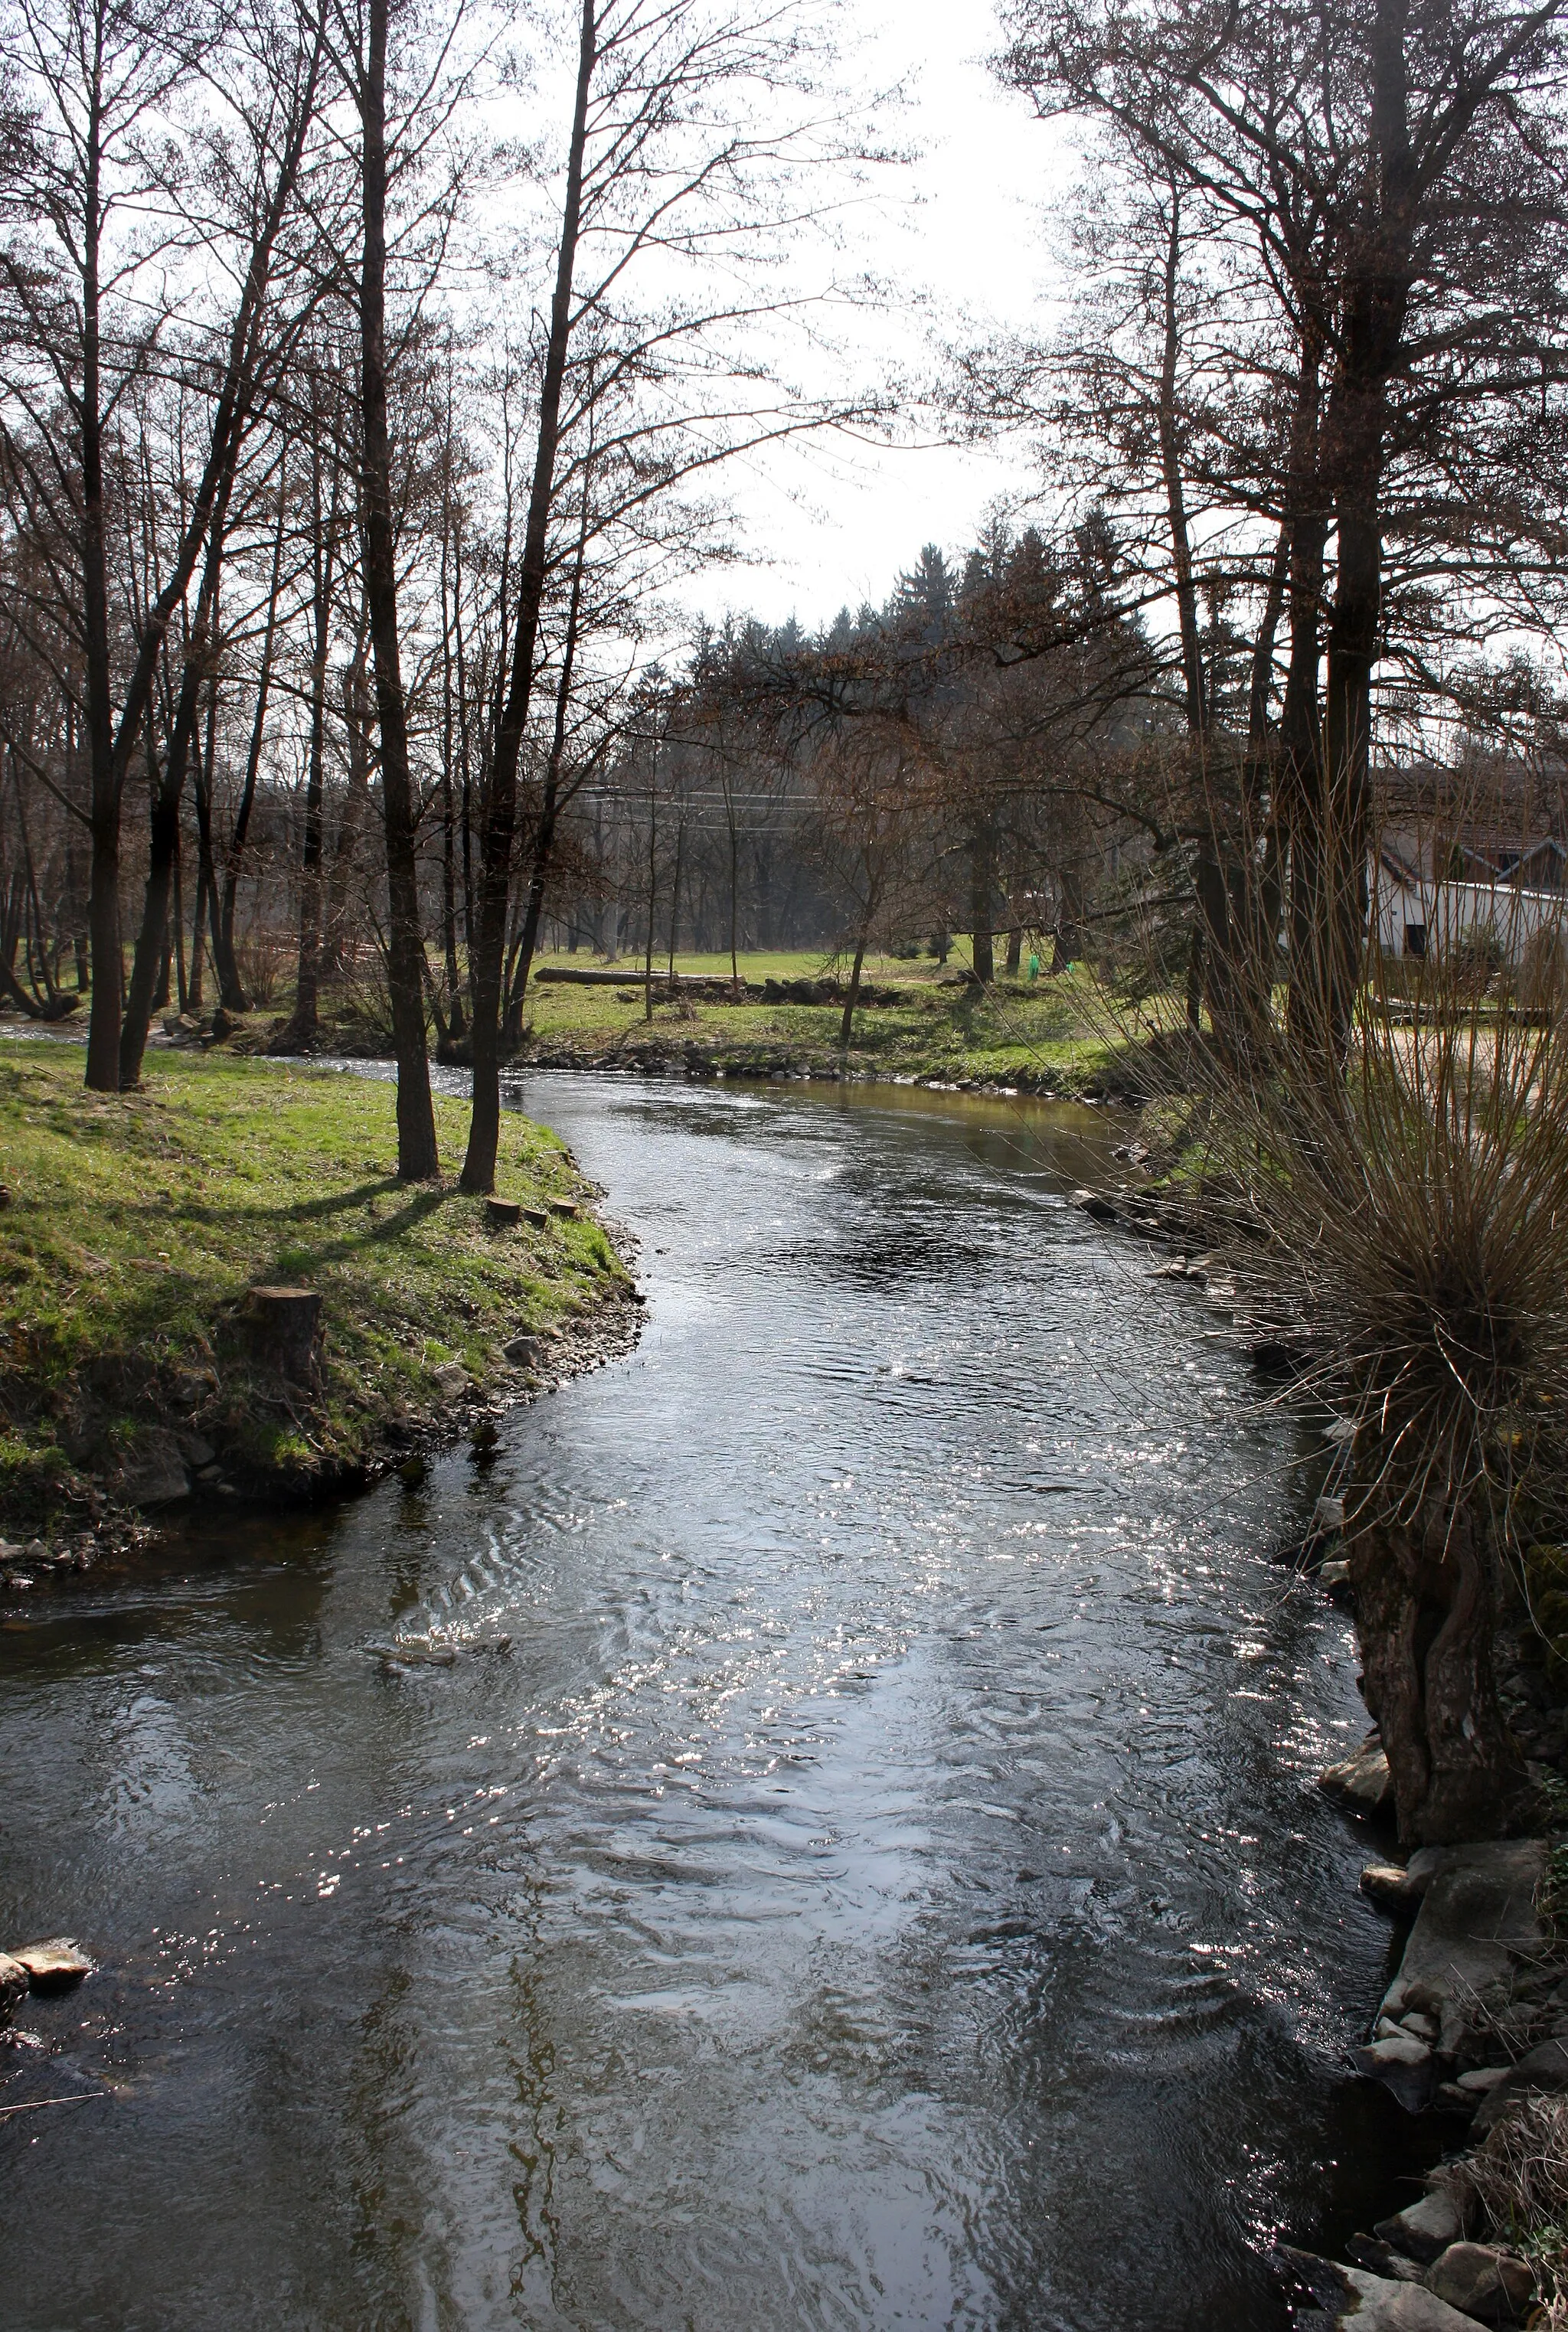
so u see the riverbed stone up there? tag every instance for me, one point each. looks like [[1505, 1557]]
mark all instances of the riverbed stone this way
[[1423, 2229], [1390, 1887], [1381, 2259], [1404, 2065], [54, 1964], [1478, 1919], [1543, 2072], [12, 1986], [1352, 2297], [155, 1476], [1483, 2282], [1091, 1203], [1484, 2078], [1395, 2047], [1362, 1780]]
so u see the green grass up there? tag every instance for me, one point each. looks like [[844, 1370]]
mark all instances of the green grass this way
[[136, 1225], [1047, 1031], [1052, 1035]]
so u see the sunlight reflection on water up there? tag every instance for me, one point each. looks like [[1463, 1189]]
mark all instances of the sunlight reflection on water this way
[[881, 1885]]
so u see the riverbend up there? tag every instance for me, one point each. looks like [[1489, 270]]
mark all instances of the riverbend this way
[[861, 1866]]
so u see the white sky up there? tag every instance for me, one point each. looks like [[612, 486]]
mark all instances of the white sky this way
[[966, 228]]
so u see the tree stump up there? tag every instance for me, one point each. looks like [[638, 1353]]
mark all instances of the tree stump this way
[[566, 1208], [502, 1214], [286, 1322]]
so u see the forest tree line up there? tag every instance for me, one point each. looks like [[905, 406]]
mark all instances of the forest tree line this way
[[354, 456]]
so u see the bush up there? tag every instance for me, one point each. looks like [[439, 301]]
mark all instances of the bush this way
[[1400, 1220]]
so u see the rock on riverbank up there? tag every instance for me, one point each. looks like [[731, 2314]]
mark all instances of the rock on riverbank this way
[[1474, 2024]]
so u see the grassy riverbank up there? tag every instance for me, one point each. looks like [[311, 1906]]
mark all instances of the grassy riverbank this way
[[922, 1020], [134, 1226]]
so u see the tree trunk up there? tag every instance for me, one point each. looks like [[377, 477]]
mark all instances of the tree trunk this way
[[356, 799], [110, 745], [501, 820], [163, 850], [1426, 1597], [252, 769], [1067, 945], [533, 914], [982, 904], [164, 847], [1197, 950], [675, 898], [107, 777], [1376, 303], [182, 985], [303, 1023], [549, 804], [653, 882], [847, 1026], [418, 1158], [198, 920], [457, 1022], [734, 887]]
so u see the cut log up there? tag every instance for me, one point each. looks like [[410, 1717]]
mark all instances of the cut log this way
[[286, 1322], [567, 1208], [502, 1214]]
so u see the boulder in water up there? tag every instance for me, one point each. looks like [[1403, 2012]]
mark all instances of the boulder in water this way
[[1099, 1209], [54, 1964], [1362, 1780], [1350, 2297], [1422, 2230], [12, 1986]]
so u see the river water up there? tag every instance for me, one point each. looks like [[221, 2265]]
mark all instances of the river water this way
[[882, 1885]]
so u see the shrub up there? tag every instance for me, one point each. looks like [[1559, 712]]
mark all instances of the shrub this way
[[1400, 1217]]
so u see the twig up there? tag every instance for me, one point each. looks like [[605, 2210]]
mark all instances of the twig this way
[[83, 2097]]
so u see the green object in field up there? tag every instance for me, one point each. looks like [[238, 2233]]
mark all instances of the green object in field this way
[[1034, 965]]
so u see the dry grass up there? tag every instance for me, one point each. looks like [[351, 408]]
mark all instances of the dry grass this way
[[1518, 2180], [1405, 1224]]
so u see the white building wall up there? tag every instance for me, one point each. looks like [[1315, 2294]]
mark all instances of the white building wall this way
[[1450, 913]]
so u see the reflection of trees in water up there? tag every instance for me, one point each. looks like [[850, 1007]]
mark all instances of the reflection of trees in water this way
[[390, 2237], [528, 2044], [277, 1571], [407, 1550], [874, 1263]]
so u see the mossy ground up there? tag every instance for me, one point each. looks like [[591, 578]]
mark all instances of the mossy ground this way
[[137, 1224]]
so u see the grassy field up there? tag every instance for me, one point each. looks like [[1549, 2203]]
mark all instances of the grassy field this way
[[1048, 1035], [1039, 1032], [134, 1227]]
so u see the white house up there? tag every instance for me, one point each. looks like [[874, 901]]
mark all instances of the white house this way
[[1508, 895]]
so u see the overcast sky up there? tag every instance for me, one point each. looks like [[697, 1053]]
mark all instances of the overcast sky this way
[[968, 230]]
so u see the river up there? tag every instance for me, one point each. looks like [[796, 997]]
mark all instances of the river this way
[[881, 1885]]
